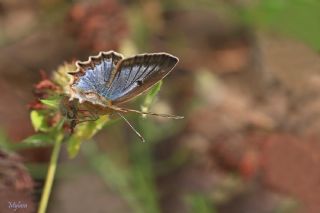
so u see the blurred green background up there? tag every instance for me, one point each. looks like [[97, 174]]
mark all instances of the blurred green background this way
[[248, 84]]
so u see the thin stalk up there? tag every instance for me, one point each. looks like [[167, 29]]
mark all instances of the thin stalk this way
[[50, 176]]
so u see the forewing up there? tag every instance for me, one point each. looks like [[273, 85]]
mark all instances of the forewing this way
[[137, 74], [94, 75]]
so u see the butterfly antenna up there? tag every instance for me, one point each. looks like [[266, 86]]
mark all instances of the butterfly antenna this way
[[139, 135], [147, 113]]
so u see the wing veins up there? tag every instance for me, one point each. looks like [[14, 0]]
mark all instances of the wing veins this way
[[90, 81], [128, 78], [134, 79], [104, 68], [155, 65], [114, 79], [111, 70], [105, 75]]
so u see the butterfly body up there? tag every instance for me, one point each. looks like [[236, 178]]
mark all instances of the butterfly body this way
[[104, 81]]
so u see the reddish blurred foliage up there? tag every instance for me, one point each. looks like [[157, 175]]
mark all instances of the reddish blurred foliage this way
[[45, 84], [42, 90], [36, 105], [100, 26], [272, 158], [15, 183], [296, 157], [241, 154]]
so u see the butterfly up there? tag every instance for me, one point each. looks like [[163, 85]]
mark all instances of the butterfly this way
[[108, 79]]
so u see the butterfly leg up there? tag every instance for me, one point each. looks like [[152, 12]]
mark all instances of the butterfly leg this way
[[119, 109], [92, 116], [135, 131], [80, 119]]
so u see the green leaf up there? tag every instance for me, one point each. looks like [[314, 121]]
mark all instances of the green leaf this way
[[151, 96], [295, 18], [38, 120], [58, 126], [73, 146], [200, 204], [38, 140], [84, 132], [5, 143], [52, 103]]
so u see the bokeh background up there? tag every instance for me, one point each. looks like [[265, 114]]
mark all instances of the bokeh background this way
[[248, 84]]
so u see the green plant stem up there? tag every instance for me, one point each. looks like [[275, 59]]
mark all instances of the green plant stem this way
[[50, 176]]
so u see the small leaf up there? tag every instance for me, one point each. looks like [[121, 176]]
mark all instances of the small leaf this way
[[38, 120], [200, 203], [74, 146], [38, 140], [83, 132], [152, 93], [151, 96], [52, 103], [5, 144], [58, 126]]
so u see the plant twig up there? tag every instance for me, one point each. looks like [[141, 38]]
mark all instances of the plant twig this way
[[50, 175]]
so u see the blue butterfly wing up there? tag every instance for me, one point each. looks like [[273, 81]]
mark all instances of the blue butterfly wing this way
[[92, 77], [137, 74], [109, 77]]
